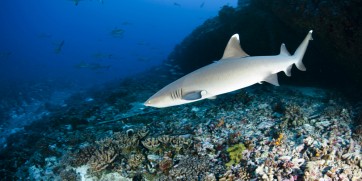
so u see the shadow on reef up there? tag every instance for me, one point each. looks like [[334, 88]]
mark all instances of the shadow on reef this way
[[332, 59]]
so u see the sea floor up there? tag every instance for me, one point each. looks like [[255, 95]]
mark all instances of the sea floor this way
[[259, 133]]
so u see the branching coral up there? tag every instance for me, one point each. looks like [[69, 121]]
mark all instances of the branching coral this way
[[82, 156], [142, 133], [165, 139], [102, 158], [135, 160], [180, 142], [151, 144], [124, 142]]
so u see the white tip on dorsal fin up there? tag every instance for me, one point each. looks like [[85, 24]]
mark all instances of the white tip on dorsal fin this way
[[233, 48], [283, 50]]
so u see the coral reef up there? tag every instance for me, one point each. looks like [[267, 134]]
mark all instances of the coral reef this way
[[102, 158], [151, 144], [135, 160], [303, 136]]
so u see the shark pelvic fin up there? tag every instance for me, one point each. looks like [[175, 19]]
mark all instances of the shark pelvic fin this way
[[233, 48], [284, 50], [191, 96], [288, 70], [272, 79]]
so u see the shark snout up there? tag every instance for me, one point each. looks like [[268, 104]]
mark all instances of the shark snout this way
[[147, 103]]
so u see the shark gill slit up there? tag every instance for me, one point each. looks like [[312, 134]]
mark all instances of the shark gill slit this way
[[179, 93], [172, 96]]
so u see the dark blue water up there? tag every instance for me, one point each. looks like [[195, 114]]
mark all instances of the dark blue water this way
[[45, 40], [50, 50]]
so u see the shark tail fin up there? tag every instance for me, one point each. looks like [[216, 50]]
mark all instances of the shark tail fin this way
[[299, 53]]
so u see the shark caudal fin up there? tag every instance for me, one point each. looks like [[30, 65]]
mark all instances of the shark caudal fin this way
[[299, 53]]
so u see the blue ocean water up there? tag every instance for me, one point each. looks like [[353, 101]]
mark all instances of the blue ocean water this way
[[144, 33]]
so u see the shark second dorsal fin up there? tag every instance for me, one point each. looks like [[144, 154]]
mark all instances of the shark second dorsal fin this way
[[233, 48], [283, 50]]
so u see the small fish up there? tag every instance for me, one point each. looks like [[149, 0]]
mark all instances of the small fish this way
[[117, 32], [59, 47], [202, 4], [235, 70], [126, 23], [76, 2], [177, 4]]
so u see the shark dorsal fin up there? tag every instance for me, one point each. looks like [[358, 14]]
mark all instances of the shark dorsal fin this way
[[283, 50], [233, 48]]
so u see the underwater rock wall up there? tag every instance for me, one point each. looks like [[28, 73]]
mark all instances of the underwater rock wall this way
[[332, 59], [338, 28]]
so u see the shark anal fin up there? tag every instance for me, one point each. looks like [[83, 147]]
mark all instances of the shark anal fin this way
[[300, 65], [233, 48], [288, 70], [272, 79], [195, 95]]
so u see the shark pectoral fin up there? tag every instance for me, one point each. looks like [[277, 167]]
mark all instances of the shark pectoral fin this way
[[272, 79], [233, 48], [191, 96], [212, 98], [288, 70]]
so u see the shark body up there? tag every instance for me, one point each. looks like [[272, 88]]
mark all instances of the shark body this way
[[235, 70]]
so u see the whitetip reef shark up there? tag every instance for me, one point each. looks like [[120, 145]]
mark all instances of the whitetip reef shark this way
[[235, 70]]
